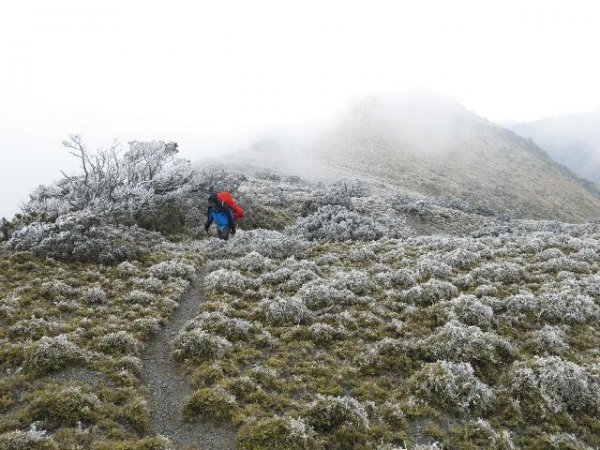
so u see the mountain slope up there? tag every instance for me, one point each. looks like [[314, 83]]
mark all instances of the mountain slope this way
[[572, 140], [434, 146]]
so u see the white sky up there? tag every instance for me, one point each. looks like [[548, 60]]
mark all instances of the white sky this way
[[209, 74]]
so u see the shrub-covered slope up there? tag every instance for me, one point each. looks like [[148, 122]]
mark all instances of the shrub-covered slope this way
[[344, 315], [434, 146]]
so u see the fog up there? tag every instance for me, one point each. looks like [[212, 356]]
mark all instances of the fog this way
[[218, 76]]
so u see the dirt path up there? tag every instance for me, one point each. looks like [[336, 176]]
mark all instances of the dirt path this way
[[168, 388]]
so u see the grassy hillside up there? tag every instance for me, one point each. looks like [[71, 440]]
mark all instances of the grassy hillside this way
[[352, 314]]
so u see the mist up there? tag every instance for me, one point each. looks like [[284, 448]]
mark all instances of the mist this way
[[217, 78]]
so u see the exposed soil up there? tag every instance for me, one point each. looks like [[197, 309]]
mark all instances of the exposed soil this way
[[168, 388]]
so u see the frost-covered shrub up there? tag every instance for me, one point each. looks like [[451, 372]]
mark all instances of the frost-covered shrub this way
[[96, 295], [277, 277], [219, 323], [431, 292], [284, 310], [83, 236], [173, 268], [321, 295], [32, 439], [298, 278], [336, 223], [549, 339], [151, 284], [277, 433], [54, 353], [328, 413], [433, 268], [127, 269], [451, 385], [361, 254], [469, 310], [255, 262], [272, 244], [505, 272], [462, 259], [457, 342], [329, 259], [523, 303], [36, 328], [561, 384], [119, 342], [323, 333], [200, 344], [354, 280], [404, 278], [56, 289], [569, 308], [139, 297], [228, 281]]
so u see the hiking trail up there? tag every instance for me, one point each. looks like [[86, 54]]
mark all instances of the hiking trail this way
[[168, 388]]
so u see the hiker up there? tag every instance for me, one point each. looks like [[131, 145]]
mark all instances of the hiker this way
[[224, 211]]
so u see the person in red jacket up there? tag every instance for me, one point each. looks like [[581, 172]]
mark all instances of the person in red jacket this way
[[223, 201]]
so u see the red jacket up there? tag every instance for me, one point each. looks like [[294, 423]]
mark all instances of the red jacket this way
[[226, 198]]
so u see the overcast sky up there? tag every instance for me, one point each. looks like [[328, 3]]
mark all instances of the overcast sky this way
[[212, 74]]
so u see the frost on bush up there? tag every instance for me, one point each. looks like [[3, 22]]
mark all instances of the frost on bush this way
[[430, 292], [127, 269], [457, 342], [451, 384], [277, 277], [83, 236], [173, 268], [549, 339], [321, 295], [462, 258], [336, 223], [96, 295], [281, 311], [228, 281], [523, 303], [54, 353], [56, 289], [561, 384], [151, 284], [469, 310], [119, 342], [328, 413], [361, 254], [219, 323], [32, 439], [433, 268], [323, 333], [139, 297], [505, 272], [255, 262], [197, 343], [354, 280], [569, 308], [270, 243]]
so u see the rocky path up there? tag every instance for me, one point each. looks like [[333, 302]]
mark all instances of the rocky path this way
[[168, 388]]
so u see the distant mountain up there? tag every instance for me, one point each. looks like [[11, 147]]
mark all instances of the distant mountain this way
[[433, 145], [572, 140]]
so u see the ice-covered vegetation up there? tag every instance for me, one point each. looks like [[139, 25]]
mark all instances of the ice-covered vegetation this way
[[340, 316]]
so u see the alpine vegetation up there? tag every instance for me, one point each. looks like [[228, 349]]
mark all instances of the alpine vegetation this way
[[346, 315]]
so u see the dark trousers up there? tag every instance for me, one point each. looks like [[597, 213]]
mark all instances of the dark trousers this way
[[224, 233]]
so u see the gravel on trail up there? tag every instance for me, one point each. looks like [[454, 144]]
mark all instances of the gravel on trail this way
[[168, 388]]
